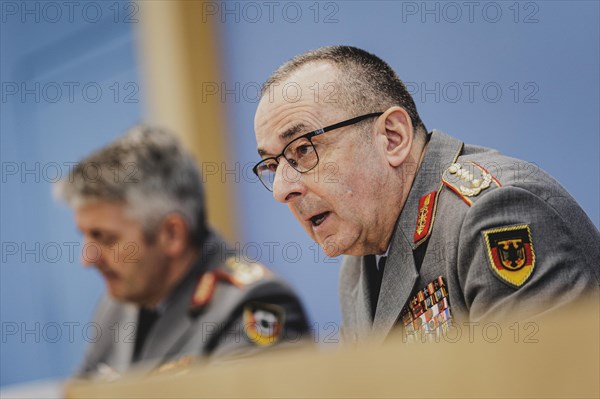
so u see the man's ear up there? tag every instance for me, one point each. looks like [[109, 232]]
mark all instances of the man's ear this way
[[173, 235], [396, 134]]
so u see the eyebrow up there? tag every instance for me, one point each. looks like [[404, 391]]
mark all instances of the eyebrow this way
[[292, 131], [288, 133]]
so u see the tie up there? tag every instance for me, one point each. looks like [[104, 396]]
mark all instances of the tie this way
[[146, 319]]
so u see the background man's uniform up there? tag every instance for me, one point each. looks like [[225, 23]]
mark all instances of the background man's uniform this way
[[222, 308], [488, 237]]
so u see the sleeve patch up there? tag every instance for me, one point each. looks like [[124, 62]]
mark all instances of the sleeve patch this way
[[263, 323], [510, 253]]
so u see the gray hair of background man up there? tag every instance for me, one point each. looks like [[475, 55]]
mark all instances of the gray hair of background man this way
[[149, 171], [365, 83]]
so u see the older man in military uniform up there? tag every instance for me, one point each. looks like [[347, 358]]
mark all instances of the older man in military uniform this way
[[434, 229], [175, 290]]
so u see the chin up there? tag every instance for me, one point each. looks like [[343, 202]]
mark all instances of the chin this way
[[331, 248], [331, 254], [118, 298], [115, 293]]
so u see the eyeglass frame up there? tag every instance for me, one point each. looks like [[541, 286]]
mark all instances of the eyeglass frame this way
[[309, 136]]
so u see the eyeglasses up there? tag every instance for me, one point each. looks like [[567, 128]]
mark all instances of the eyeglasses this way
[[300, 153]]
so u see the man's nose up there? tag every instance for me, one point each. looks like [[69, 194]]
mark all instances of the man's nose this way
[[287, 184], [91, 253]]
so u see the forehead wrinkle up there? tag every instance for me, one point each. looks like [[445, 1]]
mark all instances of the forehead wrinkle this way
[[283, 112], [286, 135]]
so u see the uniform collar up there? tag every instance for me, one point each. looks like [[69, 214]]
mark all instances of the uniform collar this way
[[400, 274], [442, 150]]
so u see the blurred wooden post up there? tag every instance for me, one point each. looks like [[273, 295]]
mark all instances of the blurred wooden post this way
[[180, 61]]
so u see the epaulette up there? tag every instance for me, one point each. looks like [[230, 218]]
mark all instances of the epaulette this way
[[235, 272], [468, 179]]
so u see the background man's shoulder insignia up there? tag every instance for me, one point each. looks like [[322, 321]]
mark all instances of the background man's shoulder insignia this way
[[241, 273], [237, 273]]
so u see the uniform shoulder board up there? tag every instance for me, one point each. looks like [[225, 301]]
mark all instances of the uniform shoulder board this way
[[235, 272], [468, 179], [240, 273]]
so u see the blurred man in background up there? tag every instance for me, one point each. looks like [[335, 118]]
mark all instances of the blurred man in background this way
[[174, 288], [429, 232]]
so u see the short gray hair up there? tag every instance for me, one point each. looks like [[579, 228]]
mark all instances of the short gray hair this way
[[365, 84], [149, 171]]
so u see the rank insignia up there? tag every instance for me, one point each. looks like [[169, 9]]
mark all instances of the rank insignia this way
[[239, 274], [243, 273], [425, 216], [510, 252], [203, 292], [263, 323], [467, 180]]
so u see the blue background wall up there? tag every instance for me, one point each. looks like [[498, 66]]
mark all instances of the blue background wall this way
[[543, 56], [46, 296]]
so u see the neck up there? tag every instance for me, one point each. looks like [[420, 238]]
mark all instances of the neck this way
[[177, 270], [406, 176]]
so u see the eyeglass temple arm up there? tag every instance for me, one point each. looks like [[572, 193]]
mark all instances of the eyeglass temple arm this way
[[347, 123]]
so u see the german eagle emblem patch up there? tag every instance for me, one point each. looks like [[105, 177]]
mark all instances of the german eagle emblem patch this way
[[510, 252], [263, 323]]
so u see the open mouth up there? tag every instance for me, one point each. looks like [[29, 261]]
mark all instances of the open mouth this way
[[318, 219]]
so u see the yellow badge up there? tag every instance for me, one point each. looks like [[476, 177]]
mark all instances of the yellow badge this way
[[510, 252], [263, 323]]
